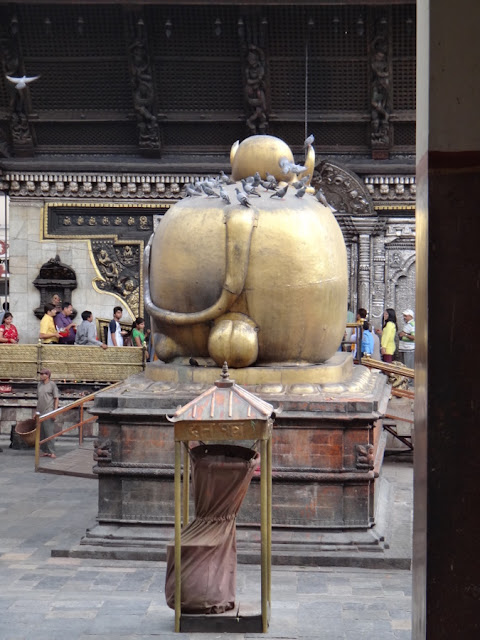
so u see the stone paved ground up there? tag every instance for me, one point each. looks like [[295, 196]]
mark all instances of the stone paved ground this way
[[44, 598]]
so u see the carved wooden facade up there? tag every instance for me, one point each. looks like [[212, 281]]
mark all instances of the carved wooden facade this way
[[135, 101]]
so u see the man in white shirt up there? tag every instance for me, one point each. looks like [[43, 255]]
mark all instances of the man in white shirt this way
[[407, 339], [115, 333]]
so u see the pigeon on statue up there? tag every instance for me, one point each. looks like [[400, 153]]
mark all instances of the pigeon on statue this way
[[225, 179], [301, 192], [224, 196], [21, 83], [250, 189], [270, 178], [242, 198], [300, 183], [191, 191], [309, 141], [321, 198], [209, 191], [280, 193], [269, 186]]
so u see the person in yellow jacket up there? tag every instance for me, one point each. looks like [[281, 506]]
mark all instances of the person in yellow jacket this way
[[48, 332], [389, 332]]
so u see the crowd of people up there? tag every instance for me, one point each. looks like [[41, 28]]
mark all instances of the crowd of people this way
[[57, 327], [388, 343]]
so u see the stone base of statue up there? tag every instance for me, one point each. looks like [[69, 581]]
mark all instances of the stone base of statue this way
[[327, 455]]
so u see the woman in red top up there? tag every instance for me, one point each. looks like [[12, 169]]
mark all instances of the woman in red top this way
[[8, 331]]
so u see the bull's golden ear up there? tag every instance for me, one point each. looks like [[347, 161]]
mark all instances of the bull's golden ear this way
[[233, 150]]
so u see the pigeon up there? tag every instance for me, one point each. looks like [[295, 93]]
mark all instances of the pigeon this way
[[280, 193], [224, 196], [213, 184], [301, 183], [191, 191], [250, 189], [256, 179], [309, 141], [209, 191], [249, 179], [21, 83], [225, 179], [300, 192], [198, 186], [242, 198], [272, 186], [321, 197], [271, 178], [193, 363]]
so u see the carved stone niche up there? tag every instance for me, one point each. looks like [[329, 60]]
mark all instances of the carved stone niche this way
[[54, 278]]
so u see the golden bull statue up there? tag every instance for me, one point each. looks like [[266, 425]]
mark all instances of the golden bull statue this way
[[262, 279]]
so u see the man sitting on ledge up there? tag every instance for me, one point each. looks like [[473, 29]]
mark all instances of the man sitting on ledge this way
[[86, 334]]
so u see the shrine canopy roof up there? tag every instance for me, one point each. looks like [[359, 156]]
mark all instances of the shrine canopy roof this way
[[225, 401]]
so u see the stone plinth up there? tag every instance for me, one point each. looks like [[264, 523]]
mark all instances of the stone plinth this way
[[327, 454]]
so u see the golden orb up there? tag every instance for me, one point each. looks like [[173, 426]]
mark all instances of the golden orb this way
[[260, 153]]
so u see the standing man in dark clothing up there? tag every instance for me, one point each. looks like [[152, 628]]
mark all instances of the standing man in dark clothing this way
[[47, 401], [64, 323]]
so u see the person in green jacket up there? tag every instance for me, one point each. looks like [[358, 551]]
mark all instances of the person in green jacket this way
[[138, 333]]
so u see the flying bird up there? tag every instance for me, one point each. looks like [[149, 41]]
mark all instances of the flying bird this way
[[288, 166], [21, 83], [224, 196], [280, 193], [309, 141], [242, 198]]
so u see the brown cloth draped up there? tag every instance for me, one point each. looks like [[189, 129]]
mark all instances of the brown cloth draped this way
[[221, 475]]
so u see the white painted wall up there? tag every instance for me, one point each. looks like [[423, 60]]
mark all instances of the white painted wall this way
[[27, 254]]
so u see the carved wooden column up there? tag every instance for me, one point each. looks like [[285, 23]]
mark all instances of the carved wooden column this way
[[252, 32], [380, 91], [143, 86], [22, 136]]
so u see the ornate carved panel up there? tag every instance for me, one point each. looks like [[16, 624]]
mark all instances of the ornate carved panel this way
[[116, 235], [343, 189], [120, 268]]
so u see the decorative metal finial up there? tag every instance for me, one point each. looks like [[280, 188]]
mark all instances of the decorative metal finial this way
[[224, 380]]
